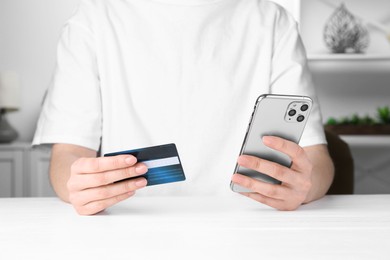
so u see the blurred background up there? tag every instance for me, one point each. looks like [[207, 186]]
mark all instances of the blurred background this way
[[351, 86]]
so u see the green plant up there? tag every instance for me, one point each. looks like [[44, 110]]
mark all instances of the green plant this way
[[332, 121], [367, 120], [355, 120], [383, 114], [382, 117], [345, 121]]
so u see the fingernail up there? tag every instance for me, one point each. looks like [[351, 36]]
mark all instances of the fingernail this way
[[141, 183], [141, 169], [130, 160], [242, 160], [237, 178], [267, 140]]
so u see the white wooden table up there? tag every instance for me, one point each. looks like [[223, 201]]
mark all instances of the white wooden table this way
[[233, 227]]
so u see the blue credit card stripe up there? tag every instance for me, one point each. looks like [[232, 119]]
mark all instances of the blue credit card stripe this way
[[164, 173], [161, 174], [162, 162], [165, 177], [165, 180]]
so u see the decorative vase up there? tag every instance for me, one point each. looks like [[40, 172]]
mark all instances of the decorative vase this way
[[7, 132], [344, 33]]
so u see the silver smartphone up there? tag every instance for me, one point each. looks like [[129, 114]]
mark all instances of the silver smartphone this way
[[277, 115]]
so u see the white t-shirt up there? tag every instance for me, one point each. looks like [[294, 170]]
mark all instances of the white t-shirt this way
[[137, 73]]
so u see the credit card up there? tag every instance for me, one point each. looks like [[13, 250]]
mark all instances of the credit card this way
[[163, 162]]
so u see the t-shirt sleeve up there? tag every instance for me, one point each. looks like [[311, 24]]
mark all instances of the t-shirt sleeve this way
[[71, 111], [290, 74]]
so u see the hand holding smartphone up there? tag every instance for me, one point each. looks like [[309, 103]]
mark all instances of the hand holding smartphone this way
[[275, 115]]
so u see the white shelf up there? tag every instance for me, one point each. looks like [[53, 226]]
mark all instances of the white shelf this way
[[342, 63], [15, 146], [367, 140], [379, 57]]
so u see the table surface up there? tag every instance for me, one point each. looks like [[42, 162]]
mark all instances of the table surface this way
[[232, 227]]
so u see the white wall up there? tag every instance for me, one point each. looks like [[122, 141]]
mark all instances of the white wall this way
[[29, 31], [343, 90]]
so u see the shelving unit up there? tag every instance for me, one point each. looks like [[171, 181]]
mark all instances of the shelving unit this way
[[353, 83], [379, 57], [367, 141], [345, 63]]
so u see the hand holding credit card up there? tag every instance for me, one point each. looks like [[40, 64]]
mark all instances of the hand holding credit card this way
[[163, 162]]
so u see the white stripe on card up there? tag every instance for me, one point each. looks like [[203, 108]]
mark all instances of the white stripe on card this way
[[162, 162]]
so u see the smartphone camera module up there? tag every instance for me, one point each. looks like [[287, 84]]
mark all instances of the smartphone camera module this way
[[292, 112], [296, 112], [300, 118], [304, 107]]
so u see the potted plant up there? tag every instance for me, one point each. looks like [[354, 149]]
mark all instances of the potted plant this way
[[357, 125]]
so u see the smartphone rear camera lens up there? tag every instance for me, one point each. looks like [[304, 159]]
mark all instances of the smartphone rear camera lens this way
[[304, 107], [292, 112], [300, 118]]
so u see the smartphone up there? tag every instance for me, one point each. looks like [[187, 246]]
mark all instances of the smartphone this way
[[277, 115]]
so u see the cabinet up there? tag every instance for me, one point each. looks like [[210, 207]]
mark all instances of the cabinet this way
[[38, 177], [24, 172], [372, 163], [11, 171]]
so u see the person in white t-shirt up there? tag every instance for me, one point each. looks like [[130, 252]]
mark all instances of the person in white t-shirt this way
[[138, 73]]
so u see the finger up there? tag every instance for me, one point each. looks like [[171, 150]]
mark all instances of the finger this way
[[102, 164], [125, 173], [101, 193], [85, 181], [100, 205], [269, 190], [294, 151], [274, 203], [272, 169]]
